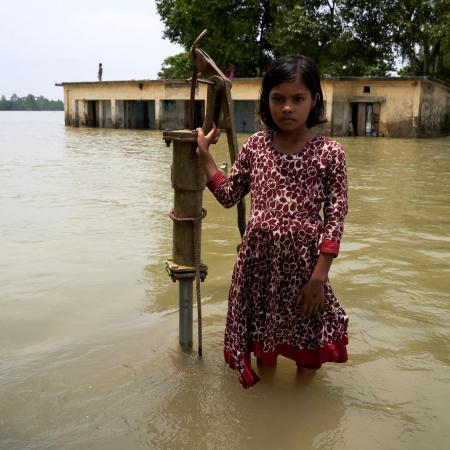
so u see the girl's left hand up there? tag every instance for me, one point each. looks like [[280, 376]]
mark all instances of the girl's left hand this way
[[312, 297]]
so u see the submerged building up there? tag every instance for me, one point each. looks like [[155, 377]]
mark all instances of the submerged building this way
[[360, 106]]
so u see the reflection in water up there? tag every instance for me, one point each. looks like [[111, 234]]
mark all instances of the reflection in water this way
[[89, 355]]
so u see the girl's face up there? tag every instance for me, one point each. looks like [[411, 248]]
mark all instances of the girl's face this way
[[290, 104]]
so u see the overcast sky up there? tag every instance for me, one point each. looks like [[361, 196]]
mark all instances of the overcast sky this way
[[43, 42]]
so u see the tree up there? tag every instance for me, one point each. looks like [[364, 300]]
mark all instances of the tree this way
[[30, 103], [237, 30], [251, 33], [326, 31], [5, 105], [417, 31], [176, 66], [14, 100], [344, 37], [424, 36]]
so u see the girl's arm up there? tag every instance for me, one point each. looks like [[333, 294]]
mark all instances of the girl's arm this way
[[228, 191], [336, 201], [335, 209]]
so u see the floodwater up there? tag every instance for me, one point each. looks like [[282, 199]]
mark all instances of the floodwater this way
[[89, 357]]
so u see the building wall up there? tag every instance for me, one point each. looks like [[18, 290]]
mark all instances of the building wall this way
[[246, 118], [434, 110], [339, 106], [403, 107], [398, 115], [246, 88], [163, 112], [328, 92], [173, 115], [397, 104]]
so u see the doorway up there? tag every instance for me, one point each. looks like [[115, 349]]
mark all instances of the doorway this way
[[139, 114], [91, 113], [365, 119]]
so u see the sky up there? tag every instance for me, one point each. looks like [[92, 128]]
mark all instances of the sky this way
[[43, 42]]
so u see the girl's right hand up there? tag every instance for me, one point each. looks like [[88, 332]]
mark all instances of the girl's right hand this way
[[204, 141]]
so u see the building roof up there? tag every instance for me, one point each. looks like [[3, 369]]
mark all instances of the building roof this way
[[325, 77]]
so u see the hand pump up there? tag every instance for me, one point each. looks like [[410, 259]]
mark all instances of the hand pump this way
[[188, 182]]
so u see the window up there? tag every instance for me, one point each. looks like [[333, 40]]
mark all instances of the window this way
[[366, 89]]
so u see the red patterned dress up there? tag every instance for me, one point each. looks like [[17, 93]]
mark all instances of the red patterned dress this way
[[279, 252]]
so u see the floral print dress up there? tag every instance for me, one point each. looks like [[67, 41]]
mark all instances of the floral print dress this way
[[279, 251]]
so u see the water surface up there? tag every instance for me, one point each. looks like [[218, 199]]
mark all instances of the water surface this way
[[88, 325]]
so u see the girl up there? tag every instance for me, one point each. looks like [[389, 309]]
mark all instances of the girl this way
[[280, 300]]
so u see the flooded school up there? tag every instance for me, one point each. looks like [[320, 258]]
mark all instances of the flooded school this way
[[361, 106]]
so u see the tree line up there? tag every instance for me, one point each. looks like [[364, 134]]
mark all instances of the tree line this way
[[344, 37], [30, 103]]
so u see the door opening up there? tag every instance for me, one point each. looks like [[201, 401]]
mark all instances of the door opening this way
[[365, 119]]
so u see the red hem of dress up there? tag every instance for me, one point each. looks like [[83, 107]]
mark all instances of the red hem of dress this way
[[331, 247], [312, 359], [215, 181]]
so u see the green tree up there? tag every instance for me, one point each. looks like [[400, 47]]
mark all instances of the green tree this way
[[344, 37], [30, 103], [237, 30], [176, 66], [5, 105], [325, 31], [41, 103], [417, 31], [422, 36], [250, 33], [14, 101]]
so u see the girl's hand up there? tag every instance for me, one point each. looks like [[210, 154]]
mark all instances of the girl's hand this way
[[204, 141], [312, 297], [205, 158]]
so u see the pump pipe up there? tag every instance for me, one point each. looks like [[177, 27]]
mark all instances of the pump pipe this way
[[188, 182]]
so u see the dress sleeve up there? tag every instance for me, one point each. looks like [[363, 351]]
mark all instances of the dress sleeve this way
[[336, 202], [229, 190]]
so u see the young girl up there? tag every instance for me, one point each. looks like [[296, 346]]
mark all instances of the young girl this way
[[280, 300]]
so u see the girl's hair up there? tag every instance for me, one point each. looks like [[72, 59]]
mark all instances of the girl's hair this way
[[291, 68]]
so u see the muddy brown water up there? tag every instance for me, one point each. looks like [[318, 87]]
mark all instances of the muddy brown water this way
[[89, 357]]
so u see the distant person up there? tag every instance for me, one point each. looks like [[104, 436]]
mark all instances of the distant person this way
[[230, 72], [280, 301], [100, 72]]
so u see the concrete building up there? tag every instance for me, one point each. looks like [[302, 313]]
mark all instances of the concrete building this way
[[374, 106]]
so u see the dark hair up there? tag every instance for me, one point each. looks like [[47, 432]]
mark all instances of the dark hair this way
[[291, 68]]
